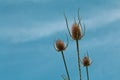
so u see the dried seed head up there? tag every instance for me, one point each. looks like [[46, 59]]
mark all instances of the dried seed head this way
[[60, 45], [86, 61], [76, 32]]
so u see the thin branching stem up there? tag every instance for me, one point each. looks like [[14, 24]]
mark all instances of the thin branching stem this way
[[67, 24], [78, 55], [65, 65], [87, 72]]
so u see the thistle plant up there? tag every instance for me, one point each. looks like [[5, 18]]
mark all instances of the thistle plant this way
[[60, 47], [77, 32], [86, 63]]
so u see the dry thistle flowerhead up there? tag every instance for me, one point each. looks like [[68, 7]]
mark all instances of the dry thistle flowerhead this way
[[86, 61], [76, 32], [59, 45]]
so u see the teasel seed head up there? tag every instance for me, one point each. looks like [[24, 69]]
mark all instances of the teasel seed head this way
[[76, 32], [60, 45], [86, 61]]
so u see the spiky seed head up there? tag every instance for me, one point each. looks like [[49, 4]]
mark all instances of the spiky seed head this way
[[86, 61], [76, 32], [60, 45]]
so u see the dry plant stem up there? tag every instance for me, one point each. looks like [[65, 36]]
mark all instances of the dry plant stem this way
[[87, 72], [65, 65], [78, 55], [67, 25]]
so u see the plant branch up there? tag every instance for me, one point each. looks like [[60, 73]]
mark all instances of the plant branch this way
[[65, 65], [78, 55], [87, 72]]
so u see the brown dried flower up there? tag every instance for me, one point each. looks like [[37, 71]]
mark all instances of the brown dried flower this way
[[76, 32], [86, 61], [60, 46]]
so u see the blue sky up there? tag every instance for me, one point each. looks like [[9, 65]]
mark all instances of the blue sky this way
[[28, 29]]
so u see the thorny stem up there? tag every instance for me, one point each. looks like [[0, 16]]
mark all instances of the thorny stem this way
[[87, 72], [65, 65], [78, 54]]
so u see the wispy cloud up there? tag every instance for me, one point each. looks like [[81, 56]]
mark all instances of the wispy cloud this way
[[102, 18], [38, 30], [23, 34]]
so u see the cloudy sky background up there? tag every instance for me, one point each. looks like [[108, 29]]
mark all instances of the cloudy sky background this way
[[28, 29]]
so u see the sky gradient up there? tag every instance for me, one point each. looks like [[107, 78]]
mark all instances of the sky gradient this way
[[28, 29]]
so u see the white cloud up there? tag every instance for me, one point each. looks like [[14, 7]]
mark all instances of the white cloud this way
[[22, 34], [104, 17], [38, 30]]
